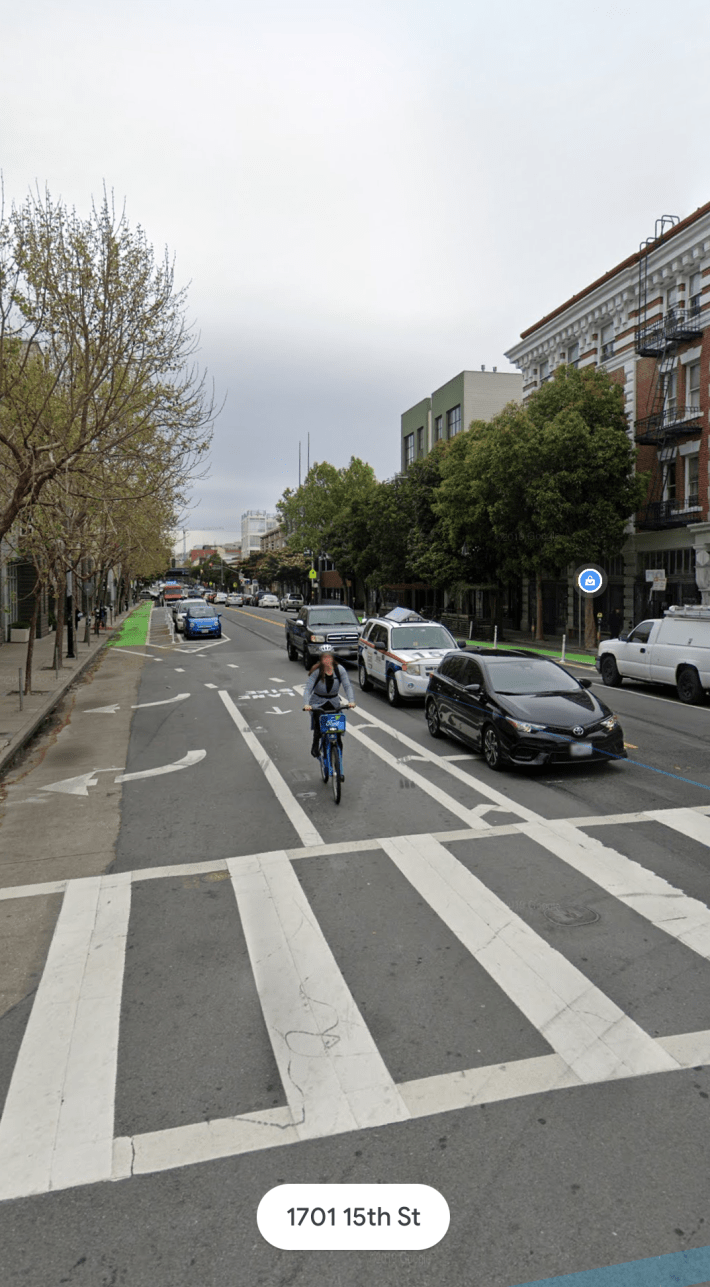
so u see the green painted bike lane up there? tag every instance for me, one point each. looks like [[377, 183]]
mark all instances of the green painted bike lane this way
[[134, 630]]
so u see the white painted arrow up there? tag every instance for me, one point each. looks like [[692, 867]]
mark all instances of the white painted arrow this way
[[103, 710], [276, 711], [79, 784], [181, 697], [192, 757]]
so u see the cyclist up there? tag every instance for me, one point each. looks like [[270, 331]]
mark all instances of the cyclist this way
[[322, 692]]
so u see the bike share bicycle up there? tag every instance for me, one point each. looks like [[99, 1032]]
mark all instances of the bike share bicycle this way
[[327, 717]]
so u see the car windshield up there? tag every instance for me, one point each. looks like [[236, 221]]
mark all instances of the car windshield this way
[[200, 610], [518, 676], [337, 617], [422, 637]]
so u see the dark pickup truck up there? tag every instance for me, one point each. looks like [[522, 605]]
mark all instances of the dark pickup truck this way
[[323, 623]]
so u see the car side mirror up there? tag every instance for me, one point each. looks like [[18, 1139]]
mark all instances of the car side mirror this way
[[585, 683], [472, 688], [299, 622], [461, 643], [380, 646], [624, 635]]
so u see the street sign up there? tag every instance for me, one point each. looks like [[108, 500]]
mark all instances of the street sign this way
[[656, 575], [590, 580], [313, 575]]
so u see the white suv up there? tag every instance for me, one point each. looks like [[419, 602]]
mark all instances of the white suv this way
[[400, 656]]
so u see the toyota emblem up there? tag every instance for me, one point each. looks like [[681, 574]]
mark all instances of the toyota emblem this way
[[578, 731]]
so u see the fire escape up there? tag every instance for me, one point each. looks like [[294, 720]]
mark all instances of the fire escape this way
[[664, 423]]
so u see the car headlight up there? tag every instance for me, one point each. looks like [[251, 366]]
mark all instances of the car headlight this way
[[317, 638], [412, 667], [610, 723], [522, 727]]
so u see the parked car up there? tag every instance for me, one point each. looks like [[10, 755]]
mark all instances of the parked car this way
[[201, 619], [672, 650], [220, 597], [180, 611], [317, 624], [209, 597], [268, 601], [517, 708], [291, 602], [234, 600], [399, 653]]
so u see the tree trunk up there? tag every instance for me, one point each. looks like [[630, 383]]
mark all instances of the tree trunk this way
[[590, 625], [61, 609], [31, 646], [539, 632]]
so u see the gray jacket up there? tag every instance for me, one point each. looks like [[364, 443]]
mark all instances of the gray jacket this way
[[317, 695]]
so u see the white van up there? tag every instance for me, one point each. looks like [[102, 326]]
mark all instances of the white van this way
[[672, 650]]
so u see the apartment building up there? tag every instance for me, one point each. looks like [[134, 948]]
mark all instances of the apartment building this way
[[471, 395], [273, 539], [647, 322], [255, 523]]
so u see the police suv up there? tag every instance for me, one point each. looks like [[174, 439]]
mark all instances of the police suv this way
[[398, 652]]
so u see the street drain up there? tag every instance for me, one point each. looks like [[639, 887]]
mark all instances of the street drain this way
[[568, 914]]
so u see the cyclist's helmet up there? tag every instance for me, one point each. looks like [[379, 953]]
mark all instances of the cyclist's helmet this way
[[327, 648]]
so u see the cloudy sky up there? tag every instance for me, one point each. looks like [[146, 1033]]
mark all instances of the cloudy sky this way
[[365, 199]]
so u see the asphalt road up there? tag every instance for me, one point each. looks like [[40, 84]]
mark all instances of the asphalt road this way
[[494, 984]]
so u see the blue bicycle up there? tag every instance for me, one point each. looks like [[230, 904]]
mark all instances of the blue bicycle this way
[[331, 752]]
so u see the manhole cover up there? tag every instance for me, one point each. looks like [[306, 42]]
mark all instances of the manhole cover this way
[[569, 914]]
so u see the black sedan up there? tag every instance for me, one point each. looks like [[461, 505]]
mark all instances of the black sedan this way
[[517, 708]]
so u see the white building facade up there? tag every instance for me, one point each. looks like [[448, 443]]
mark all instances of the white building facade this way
[[255, 523]]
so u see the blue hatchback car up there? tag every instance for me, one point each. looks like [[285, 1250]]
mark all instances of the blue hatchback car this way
[[201, 619]]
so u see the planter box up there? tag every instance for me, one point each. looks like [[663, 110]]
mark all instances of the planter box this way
[[19, 636]]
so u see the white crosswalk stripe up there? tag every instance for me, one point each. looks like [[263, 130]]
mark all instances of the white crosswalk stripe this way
[[57, 1129]]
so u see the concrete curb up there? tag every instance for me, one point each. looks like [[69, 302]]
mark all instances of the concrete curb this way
[[20, 740]]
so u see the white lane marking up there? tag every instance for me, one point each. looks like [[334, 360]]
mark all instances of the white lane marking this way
[[210, 685], [302, 824], [78, 785], [275, 679], [127, 652], [179, 670], [232, 665], [332, 1072], [686, 821], [202, 1142], [599, 683], [192, 757], [668, 908], [277, 711], [103, 710], [436, 793], [583, 1025], [496, 797], [449, 1091], [57, 1127], [180, 697]]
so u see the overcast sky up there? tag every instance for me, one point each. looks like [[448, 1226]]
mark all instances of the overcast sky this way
[[365, 199]]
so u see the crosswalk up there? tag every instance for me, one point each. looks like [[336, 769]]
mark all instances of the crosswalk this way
[[57, 1127]]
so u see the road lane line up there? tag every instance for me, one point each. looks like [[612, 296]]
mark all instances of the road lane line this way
[[305, 830], [167, 701], [687, 821], [469, 816], [668, 908], [202, 1142], [57, 1127], [496, 797], [334, 1076], [582, 1025]]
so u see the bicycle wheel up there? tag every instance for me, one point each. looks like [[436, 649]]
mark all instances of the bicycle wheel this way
[[335, 772], [324, 760]]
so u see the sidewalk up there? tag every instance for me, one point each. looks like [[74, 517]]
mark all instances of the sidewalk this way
[[18, 726]]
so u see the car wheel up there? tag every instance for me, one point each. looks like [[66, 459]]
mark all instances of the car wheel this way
[[690, 689], [610, 671], [365, 683], [393, 696], [432, 719], [291, 651], [492, 751]]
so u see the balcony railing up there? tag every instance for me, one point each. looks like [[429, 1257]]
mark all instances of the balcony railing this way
[[678, 325], [666, 426], [669, 513]]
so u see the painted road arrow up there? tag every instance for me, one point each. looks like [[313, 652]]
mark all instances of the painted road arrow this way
[[276, 711], [103, 710], [181, 697], [80, 784]]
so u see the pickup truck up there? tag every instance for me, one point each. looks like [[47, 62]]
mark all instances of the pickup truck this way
[[674, 649]]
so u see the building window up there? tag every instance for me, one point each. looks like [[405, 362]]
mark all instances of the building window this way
[[420, 441], [408, 450], [573, 354], [692, 378], [607, 339], [669, 490], [453, 422], [544, 371], [691, 481], [671, 395], [438, 428], [672, 299], [695, 291]]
